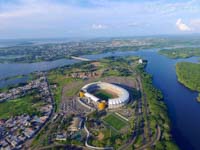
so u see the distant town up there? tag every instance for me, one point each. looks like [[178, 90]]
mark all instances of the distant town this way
[[52, 51]]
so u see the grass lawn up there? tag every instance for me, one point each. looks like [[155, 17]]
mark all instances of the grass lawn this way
[[104, 95], [115, 121], [61, 80], [19, 106]]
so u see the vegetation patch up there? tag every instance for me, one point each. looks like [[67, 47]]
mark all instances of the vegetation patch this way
[[23, 105], [189, 75], [58, 78]]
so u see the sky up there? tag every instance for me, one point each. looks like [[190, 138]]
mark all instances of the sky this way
[[97, 18]]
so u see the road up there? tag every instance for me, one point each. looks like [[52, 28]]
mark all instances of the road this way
[[147, 137], [138, 115], [28, 143], [153, 142], [147, 129]]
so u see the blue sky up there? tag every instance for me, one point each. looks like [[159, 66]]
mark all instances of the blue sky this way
[[97, 18]]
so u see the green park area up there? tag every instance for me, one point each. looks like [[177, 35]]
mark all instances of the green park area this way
[[19, 106], [114, 121]]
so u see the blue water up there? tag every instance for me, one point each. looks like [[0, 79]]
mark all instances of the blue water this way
[[184, 110], [9, 70], [13, 81]]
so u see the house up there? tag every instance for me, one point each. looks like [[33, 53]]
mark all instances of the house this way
[[60, 137]]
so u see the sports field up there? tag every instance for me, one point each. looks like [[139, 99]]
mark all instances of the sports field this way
[[114, 121], [104, 95]]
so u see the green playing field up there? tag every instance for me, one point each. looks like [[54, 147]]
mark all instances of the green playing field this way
[[114, 121]]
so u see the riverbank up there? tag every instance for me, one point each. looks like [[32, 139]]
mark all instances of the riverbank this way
[[159, 117]]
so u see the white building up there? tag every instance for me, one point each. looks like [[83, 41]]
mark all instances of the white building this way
[[140, 61]]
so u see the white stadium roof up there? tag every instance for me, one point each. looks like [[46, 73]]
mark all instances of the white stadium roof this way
[[123, 95], [94, 98]]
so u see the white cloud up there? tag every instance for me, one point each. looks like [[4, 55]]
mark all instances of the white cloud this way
[[181, 26], [99, 26]]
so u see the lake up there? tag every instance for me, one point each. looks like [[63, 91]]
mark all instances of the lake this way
[[184, 110]]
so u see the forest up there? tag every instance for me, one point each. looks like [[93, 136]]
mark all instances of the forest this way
[[189, 75]]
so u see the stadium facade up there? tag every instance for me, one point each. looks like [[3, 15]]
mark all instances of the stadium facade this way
[[121, 99]]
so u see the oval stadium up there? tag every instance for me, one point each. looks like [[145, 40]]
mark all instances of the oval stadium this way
[[98, 92]]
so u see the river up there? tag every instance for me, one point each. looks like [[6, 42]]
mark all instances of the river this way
[[183, 109]]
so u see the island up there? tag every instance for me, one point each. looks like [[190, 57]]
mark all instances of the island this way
[[189, 75], [181, 52]]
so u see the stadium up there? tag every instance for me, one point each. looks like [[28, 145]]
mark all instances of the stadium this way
[[105, 94]]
